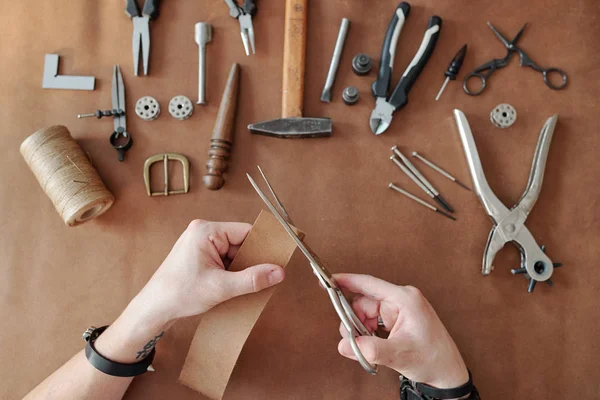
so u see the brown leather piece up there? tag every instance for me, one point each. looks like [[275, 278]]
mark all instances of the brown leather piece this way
[[55, 281], [223, 330]]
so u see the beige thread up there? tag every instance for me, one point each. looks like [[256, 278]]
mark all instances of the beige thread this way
[[66, 175]]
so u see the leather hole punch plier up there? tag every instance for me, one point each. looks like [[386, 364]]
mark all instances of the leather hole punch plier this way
[[342, 307], [509, 225], [244, 15], [141, 30], [385, 106]]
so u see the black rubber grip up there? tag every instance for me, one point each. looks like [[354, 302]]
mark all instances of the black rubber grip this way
[[381, 85], [131, 8], [456, 63], [399, 97], [151, 9], [249, 7]]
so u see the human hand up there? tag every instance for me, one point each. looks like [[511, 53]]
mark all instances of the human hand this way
[[193, 278], [418, 346]]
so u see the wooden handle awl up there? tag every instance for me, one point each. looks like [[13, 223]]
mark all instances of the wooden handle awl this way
[[222, 137], [294, 53]]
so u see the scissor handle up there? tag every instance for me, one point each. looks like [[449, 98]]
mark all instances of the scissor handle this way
[[482, 72], [528, 62], [353, 326]]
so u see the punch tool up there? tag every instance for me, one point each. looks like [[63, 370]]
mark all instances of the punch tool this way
[[509, 224]]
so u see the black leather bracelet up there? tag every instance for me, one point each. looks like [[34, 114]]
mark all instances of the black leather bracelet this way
[[109, 367], [419, 391], [442, 394]]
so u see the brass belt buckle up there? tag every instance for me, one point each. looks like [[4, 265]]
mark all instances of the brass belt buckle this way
[[165, 157]]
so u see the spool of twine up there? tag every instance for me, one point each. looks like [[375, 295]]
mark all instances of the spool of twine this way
[[66, 175]]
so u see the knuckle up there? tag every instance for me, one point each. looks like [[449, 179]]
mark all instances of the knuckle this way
[[197, 225], [414, 293]]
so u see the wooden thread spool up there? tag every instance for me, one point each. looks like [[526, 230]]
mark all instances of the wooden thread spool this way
[[66, 175], [222, 137]]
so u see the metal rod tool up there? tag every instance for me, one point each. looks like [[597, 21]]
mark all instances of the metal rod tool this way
[[441, 171], [335, 60], [420, 179], [418, 200], [202, 35]]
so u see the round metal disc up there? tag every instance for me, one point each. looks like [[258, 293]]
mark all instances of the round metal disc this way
[[181, 107], [147, 108], [503, 115]]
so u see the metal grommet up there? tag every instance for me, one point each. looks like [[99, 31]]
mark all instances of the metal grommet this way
[[147, 108], [350, 95], [361, 64], [181, 107], [503, 115]]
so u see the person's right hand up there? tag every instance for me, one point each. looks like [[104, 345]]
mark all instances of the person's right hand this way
[[418, 346]]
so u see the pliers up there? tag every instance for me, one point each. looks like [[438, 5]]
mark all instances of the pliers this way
[[509, 225], [141, 30], [381, 117], [244, 15]]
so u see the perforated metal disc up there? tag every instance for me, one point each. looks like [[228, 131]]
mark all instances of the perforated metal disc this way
[[503, 115], [147, 108], [181, 107]]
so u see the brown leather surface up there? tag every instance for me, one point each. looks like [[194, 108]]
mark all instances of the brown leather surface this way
[[56, 281], [223, 330]]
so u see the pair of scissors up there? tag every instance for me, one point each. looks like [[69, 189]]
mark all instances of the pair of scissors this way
[[342, 307], [484, 71]]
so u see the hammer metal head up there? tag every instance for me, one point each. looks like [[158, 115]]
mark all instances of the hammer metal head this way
[[293, 127]]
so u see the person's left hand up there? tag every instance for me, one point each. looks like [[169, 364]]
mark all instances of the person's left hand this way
[[193, 278]]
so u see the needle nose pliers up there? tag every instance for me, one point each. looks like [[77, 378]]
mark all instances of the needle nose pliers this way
[[141, 30], [244, 15]]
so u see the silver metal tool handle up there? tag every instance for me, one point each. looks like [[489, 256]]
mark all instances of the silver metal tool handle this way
[[493, 206], [202, 35], [353, 326], [335, 60], [538, 166]]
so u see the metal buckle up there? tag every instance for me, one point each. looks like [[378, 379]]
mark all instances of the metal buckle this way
[[165, 157]]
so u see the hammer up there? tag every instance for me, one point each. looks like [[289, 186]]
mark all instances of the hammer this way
[[292, 124]]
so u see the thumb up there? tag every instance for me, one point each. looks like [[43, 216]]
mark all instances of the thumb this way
[[250, 280], [376, 350]]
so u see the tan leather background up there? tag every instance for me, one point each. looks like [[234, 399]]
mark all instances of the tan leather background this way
[[55, 281]]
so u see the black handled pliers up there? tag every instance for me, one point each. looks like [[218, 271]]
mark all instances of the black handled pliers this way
[[381, 117]]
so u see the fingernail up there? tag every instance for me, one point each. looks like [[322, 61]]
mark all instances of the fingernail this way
[[275, 276]]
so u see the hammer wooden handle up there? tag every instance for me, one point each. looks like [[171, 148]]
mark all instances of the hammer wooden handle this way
[[294, 53], [222, 137]]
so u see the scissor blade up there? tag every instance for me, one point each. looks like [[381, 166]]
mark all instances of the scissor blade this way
[[500, 36], [518, 35], [281, 207], [304, 248]]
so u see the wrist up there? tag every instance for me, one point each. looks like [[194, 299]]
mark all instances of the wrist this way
[[133, 335]]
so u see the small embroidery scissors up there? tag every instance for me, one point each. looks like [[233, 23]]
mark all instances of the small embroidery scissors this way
[[484, 71], [342, 307]]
